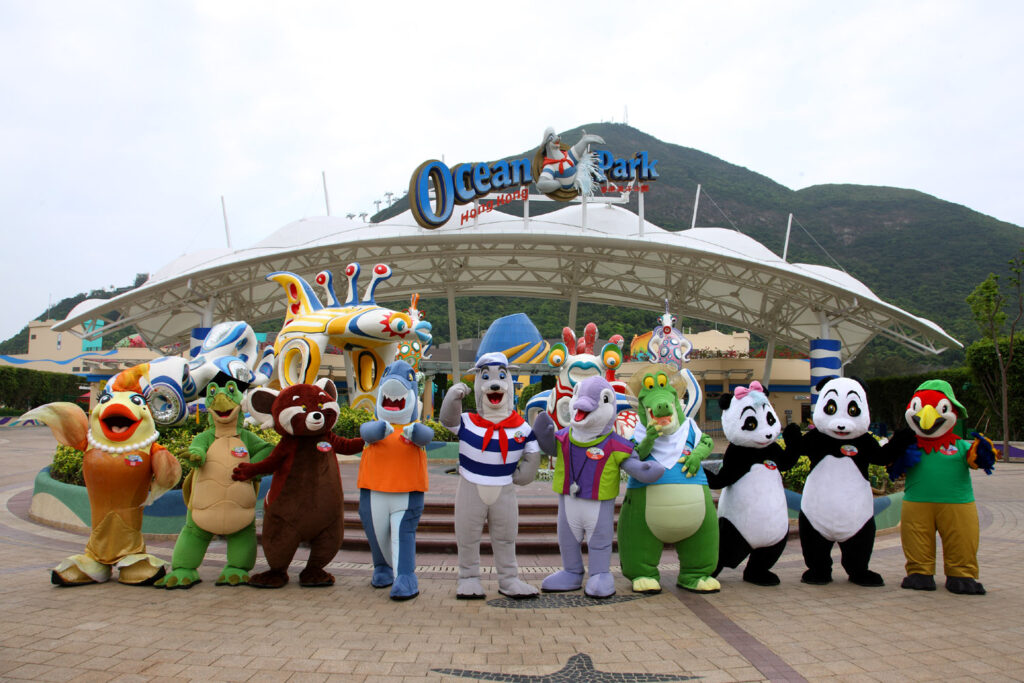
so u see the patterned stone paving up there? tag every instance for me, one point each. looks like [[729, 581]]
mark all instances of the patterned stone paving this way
[[793, 632], [579, 668]]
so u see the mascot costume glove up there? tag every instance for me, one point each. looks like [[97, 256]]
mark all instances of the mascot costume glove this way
[[304, 504], [497, 451], [218, 505], [939, 496], [124, 469], [676, 508], [393, 480], [753, 517], [587, 479]]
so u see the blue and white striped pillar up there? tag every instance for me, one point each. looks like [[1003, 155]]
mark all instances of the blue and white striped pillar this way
[[825, 362]]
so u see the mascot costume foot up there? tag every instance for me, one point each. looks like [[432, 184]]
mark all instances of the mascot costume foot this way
[[393, 479], [497, 451], [939, 496]]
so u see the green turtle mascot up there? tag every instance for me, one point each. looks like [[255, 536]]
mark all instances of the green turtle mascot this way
[[677, 508], [217, 505]]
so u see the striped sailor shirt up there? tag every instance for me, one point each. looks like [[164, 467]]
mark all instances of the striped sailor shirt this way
[[490, 452]]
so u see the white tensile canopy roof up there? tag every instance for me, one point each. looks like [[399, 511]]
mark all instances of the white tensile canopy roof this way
[[713, 274]]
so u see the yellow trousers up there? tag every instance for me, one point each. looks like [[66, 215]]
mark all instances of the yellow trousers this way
[[957, 526]]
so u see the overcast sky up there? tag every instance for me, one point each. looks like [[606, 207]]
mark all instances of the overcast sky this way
[[123, 123]]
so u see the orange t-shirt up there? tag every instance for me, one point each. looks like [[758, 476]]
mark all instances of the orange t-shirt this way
[[394, 465]]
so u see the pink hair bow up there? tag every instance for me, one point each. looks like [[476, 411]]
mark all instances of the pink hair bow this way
[[754, 386]]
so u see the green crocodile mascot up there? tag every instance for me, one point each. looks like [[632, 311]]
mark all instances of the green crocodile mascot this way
[[216, 504], [677, 508]]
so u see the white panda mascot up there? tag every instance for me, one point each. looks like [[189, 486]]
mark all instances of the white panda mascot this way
[[753, 518], [837, 504]]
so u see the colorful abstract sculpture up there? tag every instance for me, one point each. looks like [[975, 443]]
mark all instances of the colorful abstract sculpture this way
[[124, 469], [587, 479], [227, 351], [218, 505], [367, 333], [414, 350], [667, 344], [576, 360], [392, 481], [939, 496], [677, 508]]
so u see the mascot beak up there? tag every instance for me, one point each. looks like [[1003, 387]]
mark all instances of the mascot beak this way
[[928, 419]]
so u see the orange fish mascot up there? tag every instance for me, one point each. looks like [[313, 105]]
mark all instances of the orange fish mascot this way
[[124, 469]]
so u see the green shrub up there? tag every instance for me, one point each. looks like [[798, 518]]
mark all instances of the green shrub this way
[[441, 433], [67, 462], [795, 477], [22, 389], [67, 466], [349, 419]]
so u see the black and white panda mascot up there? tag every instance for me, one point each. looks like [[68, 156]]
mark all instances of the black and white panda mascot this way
[[837, 505], [753, 518]]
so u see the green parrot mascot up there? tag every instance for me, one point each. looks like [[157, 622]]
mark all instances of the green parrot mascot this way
[[939, 495]]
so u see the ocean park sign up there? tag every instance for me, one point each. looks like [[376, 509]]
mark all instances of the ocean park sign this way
[[559, 171]]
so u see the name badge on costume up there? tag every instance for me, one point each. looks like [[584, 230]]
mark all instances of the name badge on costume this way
[[595, 453], [770, 465], [518, 437], [848, 450], [239, 451], [324, 446], [948, 450], [133, 460]]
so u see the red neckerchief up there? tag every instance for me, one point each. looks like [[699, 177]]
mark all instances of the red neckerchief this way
[[513, 420], [929, 445], [561, 162]]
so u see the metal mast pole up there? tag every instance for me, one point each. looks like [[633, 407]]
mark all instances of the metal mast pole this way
[[327, 200], [696, 203], [224, 210]]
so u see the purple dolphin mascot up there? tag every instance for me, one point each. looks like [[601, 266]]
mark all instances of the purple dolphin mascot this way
[[586, 478]]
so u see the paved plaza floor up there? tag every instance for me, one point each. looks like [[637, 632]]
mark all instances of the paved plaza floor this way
[[351, 632]]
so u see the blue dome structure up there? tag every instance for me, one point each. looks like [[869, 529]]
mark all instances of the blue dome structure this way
[[517, 337]]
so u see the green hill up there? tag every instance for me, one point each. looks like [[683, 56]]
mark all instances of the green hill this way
[[19, 342], [914, 250]]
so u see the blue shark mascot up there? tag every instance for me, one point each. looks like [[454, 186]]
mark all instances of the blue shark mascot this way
[[393, 479]]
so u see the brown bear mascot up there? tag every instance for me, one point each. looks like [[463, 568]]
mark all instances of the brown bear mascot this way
[[304, 504]]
